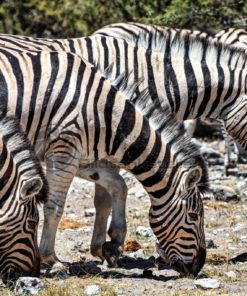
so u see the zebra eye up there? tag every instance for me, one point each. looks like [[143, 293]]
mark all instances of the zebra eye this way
[[193, 216]]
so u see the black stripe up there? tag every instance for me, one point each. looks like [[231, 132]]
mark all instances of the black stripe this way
[[89, 50], [207, 82], [137, 148], [36, 69], [115, 43], [159, 175], [151, 82], [110, 100], [84, 107], [190, 79], [106, 53], [125, 126], [221, 82], [149, 162], [96, 117], [71, 45]]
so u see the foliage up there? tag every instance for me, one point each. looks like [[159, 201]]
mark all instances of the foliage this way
[[67, 18]]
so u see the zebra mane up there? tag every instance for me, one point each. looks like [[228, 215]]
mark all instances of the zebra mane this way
[[173, 43], [19, 146], [163, 120]]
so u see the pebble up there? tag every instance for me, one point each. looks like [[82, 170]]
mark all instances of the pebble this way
[[144, 231], [207, 283], [90, 212], [138, 254], [210, 244], [92, 290], [28, 285], [231, 274]]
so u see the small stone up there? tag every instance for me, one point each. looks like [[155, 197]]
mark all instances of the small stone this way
[[28, 285], [231, 274], [144, 231], [90, 212], [207, 283], [92, 290], [210, 244], [138, 254]]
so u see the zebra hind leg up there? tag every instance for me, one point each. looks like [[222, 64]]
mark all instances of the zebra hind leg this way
[[231, 159], [111, 192]]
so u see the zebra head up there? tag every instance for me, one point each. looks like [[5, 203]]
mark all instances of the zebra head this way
[[179, 223], [22, 186]]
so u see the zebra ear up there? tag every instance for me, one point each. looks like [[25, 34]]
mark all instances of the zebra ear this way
[[31, 187], [193, 177]]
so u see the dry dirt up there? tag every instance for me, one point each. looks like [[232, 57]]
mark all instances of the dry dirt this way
[[225, 224]]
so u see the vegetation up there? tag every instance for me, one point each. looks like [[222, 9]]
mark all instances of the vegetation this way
[[75, 18]]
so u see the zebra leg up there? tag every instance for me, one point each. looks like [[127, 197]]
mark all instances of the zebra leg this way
[[111, 193], [103, 206], [60, 171], [231, 158]]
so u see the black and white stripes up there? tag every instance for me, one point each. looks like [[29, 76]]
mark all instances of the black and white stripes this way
[[22, 186]]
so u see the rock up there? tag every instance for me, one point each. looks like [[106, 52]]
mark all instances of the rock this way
[[132, 245], [224, 193], [58, 269], [90, 212], [144, 231], [92, 290], [231, 274], [28, 285], [210, 244], [138, 254], [207, 283]]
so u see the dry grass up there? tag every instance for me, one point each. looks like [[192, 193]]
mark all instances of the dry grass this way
[[68, 223]]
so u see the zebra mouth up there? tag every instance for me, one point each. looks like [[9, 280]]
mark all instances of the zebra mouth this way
[[182, 268]]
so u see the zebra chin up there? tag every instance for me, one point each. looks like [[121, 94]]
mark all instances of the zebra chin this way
[[192, 268]]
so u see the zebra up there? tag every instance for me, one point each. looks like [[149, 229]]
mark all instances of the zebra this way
[[232, 36], [211, 86], [23, 185], [74, 116]]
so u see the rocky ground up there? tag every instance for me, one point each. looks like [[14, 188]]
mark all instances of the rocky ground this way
[[226, 233]]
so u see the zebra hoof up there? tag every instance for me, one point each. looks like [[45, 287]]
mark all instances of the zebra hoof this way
[[111, 253]]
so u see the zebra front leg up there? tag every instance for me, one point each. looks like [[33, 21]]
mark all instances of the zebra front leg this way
[[60, 171]]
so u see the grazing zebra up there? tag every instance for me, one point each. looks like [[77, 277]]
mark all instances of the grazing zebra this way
[[195, 77], [232, 36], [74, 116], [23, 185]]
